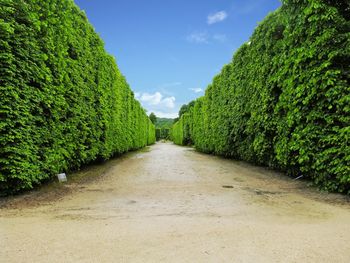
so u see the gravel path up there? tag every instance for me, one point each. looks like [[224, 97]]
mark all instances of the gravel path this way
[[172, 204]]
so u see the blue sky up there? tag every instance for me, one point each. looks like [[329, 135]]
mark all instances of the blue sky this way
[[169, 51]]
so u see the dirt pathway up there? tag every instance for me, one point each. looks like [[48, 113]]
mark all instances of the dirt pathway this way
[[172, 204]]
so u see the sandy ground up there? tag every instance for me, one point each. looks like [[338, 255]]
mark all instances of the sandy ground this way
[[172, 204]]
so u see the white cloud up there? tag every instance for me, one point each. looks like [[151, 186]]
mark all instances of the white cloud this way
[[151, 99], [169, 102], [205, 38], [156, 99], [197, 90], [220, 37], [198, 37], [162, 114], [217, 17]]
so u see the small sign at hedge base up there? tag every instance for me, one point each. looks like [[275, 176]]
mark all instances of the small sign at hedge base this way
[[62, 178]]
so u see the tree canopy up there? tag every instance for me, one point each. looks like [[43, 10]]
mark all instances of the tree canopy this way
[[153, 118]]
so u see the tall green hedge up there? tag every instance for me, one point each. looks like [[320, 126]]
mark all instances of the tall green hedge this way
[[284, 100], [63, 101]]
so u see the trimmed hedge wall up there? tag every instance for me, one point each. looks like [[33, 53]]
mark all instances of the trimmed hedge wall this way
[[63, 102], [284, 100]]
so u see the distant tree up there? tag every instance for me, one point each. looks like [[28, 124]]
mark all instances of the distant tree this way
[[153, 118], [164, 123], [185, 108], [191, 104]]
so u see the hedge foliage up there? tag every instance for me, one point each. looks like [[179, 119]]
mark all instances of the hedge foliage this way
[[284, 100], [162, 134], [63, 101]]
